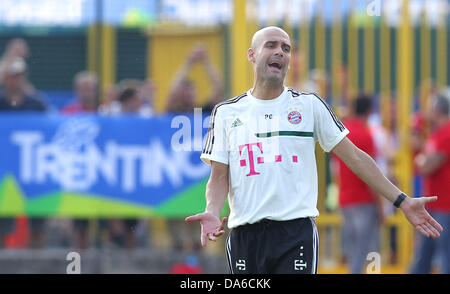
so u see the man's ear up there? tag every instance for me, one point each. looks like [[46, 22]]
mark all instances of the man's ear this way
[[251, 55]]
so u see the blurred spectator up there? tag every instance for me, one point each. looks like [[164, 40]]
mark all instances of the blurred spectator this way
[[182, 100], [183, 94], [384, 149], [17, 49], [384, 157], [86, 91], [317, 83], [110, 104], [359, 203], [14, 48], [132, 97], [147, 93], [189, 266], [129, 97], [130, 101], [128, 233], [297, 69], [14, 97], [7, 226], [434, 164]]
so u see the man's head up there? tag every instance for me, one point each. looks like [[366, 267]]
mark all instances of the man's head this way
[[362, 106], [14, 75], [270, 54], [17, 48], [130, 100], [439, 112], [183, 97], [86, 87]]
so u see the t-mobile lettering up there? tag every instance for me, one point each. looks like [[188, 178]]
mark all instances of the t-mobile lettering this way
[[251, 159], [259, 159]]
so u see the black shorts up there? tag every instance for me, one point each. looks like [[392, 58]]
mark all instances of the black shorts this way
[[274, 247]]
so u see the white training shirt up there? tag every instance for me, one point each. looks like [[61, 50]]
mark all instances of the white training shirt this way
[[269, 147]]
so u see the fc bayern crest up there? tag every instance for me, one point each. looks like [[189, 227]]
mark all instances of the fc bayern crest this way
[[294, 117]]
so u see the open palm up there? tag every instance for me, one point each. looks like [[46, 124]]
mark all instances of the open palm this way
[[417, 215], [211, 225]]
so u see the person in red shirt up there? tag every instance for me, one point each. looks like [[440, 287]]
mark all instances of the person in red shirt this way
[[86, 90], [190, 266], [434, 164], [358, 202]]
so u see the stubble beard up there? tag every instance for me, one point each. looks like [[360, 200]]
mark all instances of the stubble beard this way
[[271, 79], [274, 80]]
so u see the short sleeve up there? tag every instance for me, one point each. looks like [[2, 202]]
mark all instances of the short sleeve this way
[[328, 129], [216, 142]]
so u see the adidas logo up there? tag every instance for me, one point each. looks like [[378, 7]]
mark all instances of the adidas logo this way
[[237, 122]]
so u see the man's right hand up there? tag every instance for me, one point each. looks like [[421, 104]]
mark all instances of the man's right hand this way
[[211, 225]]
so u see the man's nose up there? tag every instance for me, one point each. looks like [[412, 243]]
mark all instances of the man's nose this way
[[279, 51]]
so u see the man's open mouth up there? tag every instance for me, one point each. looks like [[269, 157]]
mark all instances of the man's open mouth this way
[[275, 65]]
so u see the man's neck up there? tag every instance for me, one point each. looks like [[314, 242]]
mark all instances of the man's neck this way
[[266, 91]]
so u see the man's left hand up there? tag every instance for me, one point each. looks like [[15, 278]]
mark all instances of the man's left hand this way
[[417, 215]]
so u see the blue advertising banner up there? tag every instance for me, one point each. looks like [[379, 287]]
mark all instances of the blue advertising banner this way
[[55, 165]]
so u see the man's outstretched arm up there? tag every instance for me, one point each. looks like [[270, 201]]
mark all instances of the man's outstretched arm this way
[[216, 195], [367, 170]]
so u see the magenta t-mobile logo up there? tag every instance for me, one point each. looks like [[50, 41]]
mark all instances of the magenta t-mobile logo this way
[[251, 159], [259, 159]]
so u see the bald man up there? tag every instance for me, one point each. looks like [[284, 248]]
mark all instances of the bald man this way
[[260, 146]]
